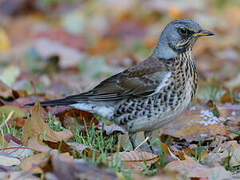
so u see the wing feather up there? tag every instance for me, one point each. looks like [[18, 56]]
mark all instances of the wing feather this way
[[139, 80]]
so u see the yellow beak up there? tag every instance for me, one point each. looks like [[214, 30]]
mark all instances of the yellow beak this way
[[204, 33]]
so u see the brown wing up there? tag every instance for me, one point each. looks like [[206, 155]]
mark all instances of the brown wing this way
[[141, 79]]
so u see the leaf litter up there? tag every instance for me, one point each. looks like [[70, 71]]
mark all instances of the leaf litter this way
[[70, 49], [37, 128]]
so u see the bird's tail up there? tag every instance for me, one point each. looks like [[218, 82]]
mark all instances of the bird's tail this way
[[57, 102]]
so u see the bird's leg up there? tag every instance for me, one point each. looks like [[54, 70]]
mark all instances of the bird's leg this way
[[132, 138], [148, 134]]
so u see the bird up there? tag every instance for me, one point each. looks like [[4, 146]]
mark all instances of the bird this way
[[152, 93]]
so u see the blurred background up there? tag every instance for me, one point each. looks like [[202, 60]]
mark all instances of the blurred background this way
[[63, 47]]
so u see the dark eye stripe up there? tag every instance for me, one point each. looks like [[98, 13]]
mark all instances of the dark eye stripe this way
[[184, 31]]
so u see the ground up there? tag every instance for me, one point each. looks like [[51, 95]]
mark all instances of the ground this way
[[53, 48]]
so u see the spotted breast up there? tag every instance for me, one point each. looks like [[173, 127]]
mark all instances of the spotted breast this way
[[169, 100]]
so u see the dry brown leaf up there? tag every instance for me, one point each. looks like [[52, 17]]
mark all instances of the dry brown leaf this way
[[186, 152], [5, 90], [9, 137], [60, 146], [60, 169], [69, 116], [38, 163], [17, 122], [226, 98], [167, 175], [189, 152], [38, 146], [232, 153], [180, 155], [110, 129], [63, 135], [31, 163], [17, 150], [135, 160], [193, 169], [83, 149], [165, 149], [201, 122], [224, 152], [203, 154], [37, 128]]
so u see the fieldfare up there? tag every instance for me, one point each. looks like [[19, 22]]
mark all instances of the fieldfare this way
[[152, 93]]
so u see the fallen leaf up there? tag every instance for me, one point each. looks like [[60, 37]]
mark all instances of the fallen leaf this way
[[10, 74], [83, 149], [110, 129], [37, 128], [16, 122], [189, 152], [47, 166], [38, 146], [78, 170], [193, 169], [17, 112], [135, 160], [199, 121], [63, 135], [31, 163], [6, 160], [38, 163], [69, 118], [60, 146], [226, 98], [17, 150], [231, 154], [9, 137], [5, 91], [220, 154], [19, 175]]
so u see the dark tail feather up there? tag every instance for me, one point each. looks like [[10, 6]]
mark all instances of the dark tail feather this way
[[57, 102]]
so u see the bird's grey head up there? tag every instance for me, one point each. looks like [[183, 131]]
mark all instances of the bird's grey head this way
[[177, 37]]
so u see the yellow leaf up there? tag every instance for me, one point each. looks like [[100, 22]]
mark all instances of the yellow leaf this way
[[6, 110], [4, 41]]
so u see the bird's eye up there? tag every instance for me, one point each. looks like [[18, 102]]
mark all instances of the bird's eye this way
[[183, 31]]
